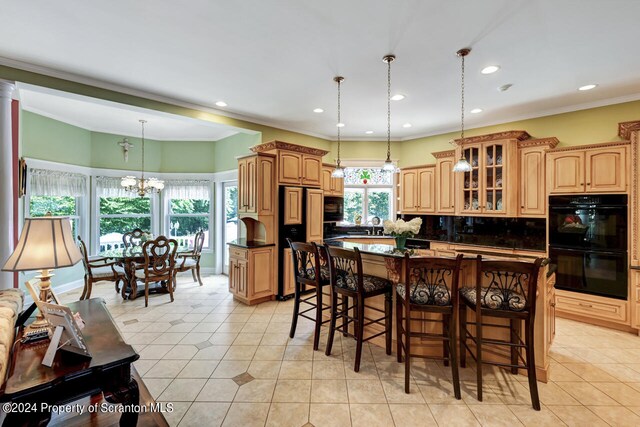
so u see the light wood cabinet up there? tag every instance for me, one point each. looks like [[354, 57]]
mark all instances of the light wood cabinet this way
[[606, 170], [289, 168], [634, 243], [597, 169], [491, 187], [592, 307], [251, 274], [445, 182], [330, 185], [417, 190], [315, 214], [635, 298], [532, 182], [288, 280], [256, 190], [311, 171], [292, 205]]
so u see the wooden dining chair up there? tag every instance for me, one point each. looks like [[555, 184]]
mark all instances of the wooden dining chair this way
[[505, 290], [191, 260], [133, 238], [430, 286], [159, 265], [98, 270]]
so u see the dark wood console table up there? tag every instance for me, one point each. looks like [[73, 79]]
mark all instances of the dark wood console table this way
[[71, 377]]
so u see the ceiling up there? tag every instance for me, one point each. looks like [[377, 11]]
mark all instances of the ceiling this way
[[110, 117], [273, 61]]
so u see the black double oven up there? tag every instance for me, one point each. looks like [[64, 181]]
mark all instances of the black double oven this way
[[588, 243]]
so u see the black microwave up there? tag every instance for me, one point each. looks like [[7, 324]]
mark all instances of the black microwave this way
[[333, 209]]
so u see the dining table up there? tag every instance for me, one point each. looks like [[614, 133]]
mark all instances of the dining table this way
[[130, 259]]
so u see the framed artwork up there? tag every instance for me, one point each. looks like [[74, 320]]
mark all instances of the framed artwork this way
[[22, 177]]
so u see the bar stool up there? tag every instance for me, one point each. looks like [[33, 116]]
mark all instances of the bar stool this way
[[432, 287], [506, 290], [308, 272], [348, 281]]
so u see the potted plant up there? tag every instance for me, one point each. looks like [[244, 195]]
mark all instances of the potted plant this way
[[402, 230]]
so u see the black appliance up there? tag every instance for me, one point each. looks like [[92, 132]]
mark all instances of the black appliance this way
[[588, 243], [333, 209], [295, 232]]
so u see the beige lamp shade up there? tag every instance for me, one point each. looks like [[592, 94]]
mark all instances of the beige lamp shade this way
[[45, 243]]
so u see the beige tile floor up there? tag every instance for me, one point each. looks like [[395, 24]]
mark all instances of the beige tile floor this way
[[223, 363]]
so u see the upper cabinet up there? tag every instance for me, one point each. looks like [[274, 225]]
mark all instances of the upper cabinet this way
[[417, 190], [311, 170], [445, 182], [331, 186], [297, 164], [601, 168], [292, 205], [289, 168], [256, 191], [491, 187], [532, 167]]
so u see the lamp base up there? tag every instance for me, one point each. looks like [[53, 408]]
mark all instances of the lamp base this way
[[44, 296]]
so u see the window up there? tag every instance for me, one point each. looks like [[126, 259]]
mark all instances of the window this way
[[188, 210], [230, 219], [368, 192], [58, 193]]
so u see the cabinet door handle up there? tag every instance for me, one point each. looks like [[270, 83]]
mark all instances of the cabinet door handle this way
[[584, 304], [588, 183], [553, 304]]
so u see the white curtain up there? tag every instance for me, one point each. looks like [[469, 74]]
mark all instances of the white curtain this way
[[107, 186], [187, 189], [44, 182]]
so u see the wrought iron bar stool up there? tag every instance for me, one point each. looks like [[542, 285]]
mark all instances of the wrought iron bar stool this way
[[431, 285], [506, 290], [348, 281], [309, 271]]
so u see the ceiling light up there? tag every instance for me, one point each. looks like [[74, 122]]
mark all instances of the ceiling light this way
[[587, 87], [406, 125], [490, 69], [369, 132], [142, 186], [318, 110], [397, 97], [476, 111], [462, 165], [221, 104], [338, 172]]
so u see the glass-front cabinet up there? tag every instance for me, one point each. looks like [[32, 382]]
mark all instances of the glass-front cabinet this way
[[490, 188]]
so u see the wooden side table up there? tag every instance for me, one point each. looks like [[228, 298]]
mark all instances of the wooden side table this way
[[71, 377]]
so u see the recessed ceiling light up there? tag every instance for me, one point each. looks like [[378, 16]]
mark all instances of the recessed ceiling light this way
[[490, 69], [587, 87], [221, 104], [340, 125], [406, 125], [397, 97], [476, 111], [369, 132], [318, 110]]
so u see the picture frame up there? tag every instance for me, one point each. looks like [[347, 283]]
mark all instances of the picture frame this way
[[67, 335], [22, 177]]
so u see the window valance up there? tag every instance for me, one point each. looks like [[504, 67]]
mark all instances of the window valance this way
[[187, 189], [108, 186], [45, 182]]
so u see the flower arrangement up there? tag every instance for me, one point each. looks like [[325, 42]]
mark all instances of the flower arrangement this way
[[402, 229]]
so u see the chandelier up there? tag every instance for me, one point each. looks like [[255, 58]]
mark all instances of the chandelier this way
[[142, 186]]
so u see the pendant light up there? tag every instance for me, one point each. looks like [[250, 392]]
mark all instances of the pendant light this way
[[462, 165], [338, 172], [142, 186], [388, 165]]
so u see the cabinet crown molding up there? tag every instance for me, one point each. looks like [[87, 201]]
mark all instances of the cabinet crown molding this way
[[550, 142], [444, 154], [519, 135], [590, 146], [625, 128], [281, 145]]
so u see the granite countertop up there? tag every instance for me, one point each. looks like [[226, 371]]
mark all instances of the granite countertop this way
[[249, 244]]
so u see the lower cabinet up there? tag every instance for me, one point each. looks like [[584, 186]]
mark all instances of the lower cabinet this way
[[251, 274], [635, 298], [591, 307], [288, 282]]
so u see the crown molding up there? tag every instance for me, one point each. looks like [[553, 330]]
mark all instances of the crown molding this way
[[519, 135], [444, 154], [625, 128], [592, 146], [550, 142], [281, 145]]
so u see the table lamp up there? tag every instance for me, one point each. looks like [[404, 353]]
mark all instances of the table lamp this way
[[45, 243]]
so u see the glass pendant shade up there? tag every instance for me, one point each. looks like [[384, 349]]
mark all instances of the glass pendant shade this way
[[388, 166], [338, 172], [462, 165]]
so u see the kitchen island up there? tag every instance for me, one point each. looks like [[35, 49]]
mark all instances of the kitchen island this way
[[384, 260]]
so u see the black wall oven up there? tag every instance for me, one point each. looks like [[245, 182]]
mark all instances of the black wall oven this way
[[588, 243]]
